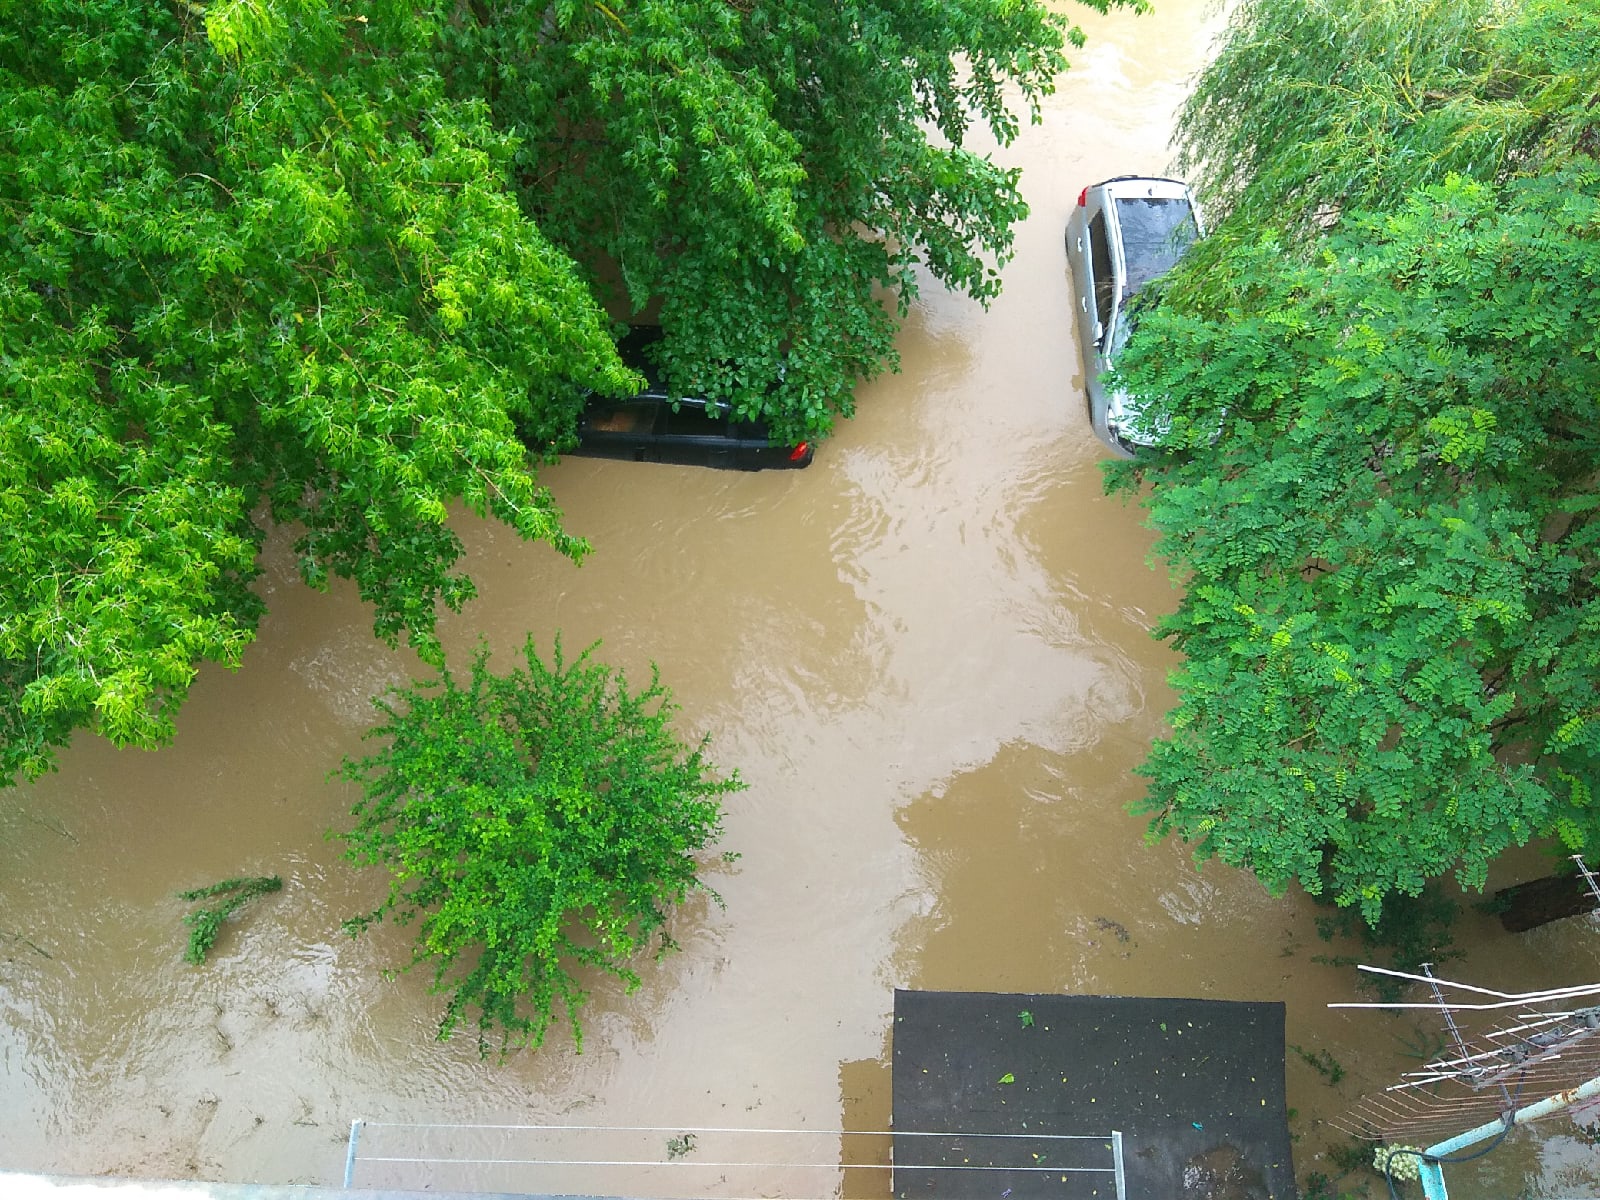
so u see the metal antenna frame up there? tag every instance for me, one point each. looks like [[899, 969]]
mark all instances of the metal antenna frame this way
[[1455, 1030], [1588, 877], [1544, 1063]]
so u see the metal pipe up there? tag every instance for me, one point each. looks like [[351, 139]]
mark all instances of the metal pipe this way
[[1432, 1171], [1116, 1162]]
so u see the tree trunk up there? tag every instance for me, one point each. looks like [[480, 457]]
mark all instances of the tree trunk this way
[[1540, 901]]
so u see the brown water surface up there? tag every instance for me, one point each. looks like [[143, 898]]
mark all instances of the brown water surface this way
[[928, 656]]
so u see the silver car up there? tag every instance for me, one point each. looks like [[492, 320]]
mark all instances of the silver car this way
[[1123, 233]]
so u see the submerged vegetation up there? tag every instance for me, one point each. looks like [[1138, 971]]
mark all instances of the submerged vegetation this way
[[534, 824], [205, 923]]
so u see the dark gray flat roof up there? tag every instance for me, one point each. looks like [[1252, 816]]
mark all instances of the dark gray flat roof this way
[[1194, 1086]]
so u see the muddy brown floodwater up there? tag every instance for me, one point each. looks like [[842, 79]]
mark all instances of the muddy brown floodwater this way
[[928, 655]]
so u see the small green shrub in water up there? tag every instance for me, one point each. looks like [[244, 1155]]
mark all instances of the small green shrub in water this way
[[1318, 1186], [204, 923], [537, 826], [1349, 1156], [1324, 1063]]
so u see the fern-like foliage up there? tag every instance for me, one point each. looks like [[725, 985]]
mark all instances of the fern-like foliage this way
[[1391, 631]]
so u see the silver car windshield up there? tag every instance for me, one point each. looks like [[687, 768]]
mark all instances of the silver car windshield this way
[[1155, 233]]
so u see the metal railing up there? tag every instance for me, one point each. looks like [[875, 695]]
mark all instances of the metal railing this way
[[728, 1163]]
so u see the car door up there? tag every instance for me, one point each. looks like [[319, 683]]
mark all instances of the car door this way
[[1082, 281], [1094, 276], [753, 447], [1097, 275], [1107, 279]]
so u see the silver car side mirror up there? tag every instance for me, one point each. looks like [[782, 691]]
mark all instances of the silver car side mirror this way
[[1099, 333]]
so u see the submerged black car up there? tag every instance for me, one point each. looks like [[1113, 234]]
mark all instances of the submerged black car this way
[[697, 430]]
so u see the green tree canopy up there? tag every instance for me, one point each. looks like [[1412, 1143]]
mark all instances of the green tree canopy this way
[[312, 261], [1390, 630], [538, 823], [273, 274]]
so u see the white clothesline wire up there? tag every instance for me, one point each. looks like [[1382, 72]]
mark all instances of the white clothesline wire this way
[[681, 1129], [686, 1162]]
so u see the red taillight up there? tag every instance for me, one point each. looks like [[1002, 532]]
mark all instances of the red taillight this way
[[1083, 198], [799, 452]]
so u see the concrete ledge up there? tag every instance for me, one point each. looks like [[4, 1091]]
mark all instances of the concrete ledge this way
[[16, 1186]]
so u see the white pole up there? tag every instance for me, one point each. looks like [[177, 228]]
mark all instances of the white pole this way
[[350, 1153]]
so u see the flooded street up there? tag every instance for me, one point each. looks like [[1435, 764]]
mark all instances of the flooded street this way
[[927, 655]]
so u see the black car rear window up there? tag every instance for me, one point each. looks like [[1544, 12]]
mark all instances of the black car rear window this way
[[1155, 233], [635, 418], [698, 420]]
